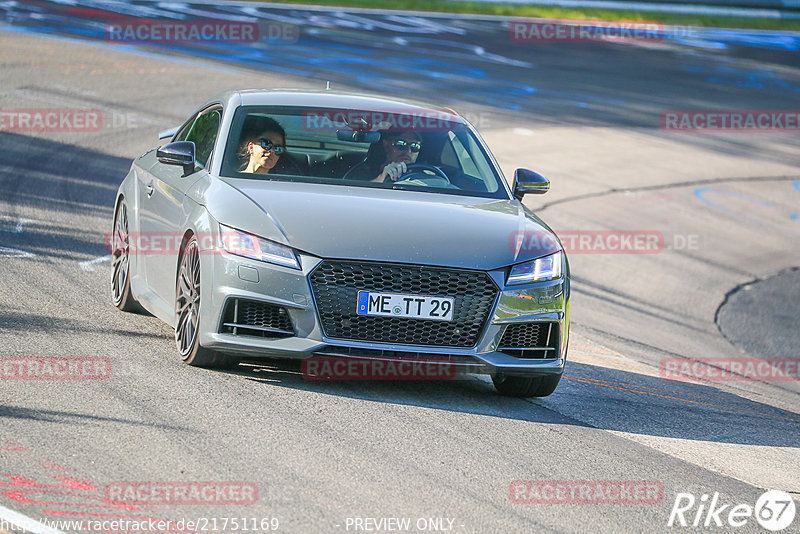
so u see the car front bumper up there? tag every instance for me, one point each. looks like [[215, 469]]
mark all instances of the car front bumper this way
[[228, 276]]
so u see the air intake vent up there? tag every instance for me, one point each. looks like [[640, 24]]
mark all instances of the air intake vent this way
[[254, 318], [530, 340]]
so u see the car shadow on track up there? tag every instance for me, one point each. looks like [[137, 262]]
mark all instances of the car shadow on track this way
[[469, 394], [59, 175], [588, 395], [15, 321], [643, 404], [60, 416], [60, 184]]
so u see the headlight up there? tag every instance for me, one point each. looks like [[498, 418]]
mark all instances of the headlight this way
[[257, 248], [539, 270]]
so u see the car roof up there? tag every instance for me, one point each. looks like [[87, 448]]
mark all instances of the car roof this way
[[334, 99]]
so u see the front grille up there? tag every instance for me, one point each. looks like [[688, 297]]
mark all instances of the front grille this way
[[335, 285], [254, 318], [530, 340]]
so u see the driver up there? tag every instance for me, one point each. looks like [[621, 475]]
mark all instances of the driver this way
[[400, 149], [263, 142]]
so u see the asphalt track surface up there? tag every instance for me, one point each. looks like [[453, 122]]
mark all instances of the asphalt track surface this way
[[723, 286]]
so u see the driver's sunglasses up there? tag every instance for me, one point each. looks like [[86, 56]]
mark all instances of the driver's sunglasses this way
[[268, 145], [414, 146]]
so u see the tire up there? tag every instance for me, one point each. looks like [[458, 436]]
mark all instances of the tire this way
[[120, 261], [523, 386], [187, 309]]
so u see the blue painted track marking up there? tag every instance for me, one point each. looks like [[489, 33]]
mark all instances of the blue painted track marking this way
[[701, 192], [378, 49]]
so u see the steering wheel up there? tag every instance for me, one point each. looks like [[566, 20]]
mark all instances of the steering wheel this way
[[419, 169]]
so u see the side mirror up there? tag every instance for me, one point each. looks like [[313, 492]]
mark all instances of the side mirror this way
[[526, 181], [178, 153]]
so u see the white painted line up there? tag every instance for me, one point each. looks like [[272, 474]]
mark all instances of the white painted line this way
[[7, 252], [18, 228], [26, 523], [523, 131], [21, 225], [87, 265]]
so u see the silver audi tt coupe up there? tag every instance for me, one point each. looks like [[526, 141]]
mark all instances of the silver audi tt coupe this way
[[299, 224]]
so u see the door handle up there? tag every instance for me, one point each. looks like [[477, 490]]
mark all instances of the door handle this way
[[149, 189]]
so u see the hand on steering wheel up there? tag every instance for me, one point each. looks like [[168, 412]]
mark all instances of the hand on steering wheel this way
[[392, 172], [420, 168]]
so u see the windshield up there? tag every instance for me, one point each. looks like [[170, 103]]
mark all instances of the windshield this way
[[420, 151]]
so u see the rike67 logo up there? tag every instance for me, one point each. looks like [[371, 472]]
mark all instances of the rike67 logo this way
[[774, 511]]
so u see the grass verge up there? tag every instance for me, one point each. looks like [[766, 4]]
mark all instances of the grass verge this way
[[517, 10]]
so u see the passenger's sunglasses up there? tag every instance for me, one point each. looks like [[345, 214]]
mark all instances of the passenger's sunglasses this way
[[268, 145], [402, 145]]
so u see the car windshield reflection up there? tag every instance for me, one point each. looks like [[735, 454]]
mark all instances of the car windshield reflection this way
[[420, 150]]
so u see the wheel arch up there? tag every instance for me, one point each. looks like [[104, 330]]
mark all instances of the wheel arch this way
[[187, 235]]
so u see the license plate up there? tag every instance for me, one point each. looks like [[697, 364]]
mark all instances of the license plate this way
[[400, 305]]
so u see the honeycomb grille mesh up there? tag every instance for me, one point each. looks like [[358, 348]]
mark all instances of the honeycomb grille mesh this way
[[335, 286], [250, 317], [252, 313], [519, 339]]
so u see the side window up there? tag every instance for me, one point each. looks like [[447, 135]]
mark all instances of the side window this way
[[463, 156], [473, 166], [203, 133], [184, 131], [448, 156]]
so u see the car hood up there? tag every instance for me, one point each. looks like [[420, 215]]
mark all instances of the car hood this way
[[345, 222]]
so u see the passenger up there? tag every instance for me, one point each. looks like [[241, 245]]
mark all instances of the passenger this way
[[263, 143], [388, 159]]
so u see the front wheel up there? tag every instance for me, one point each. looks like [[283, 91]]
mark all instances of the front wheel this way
[[187, 306], [120, 262], [523, 386]]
